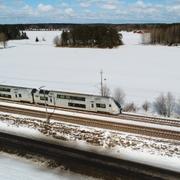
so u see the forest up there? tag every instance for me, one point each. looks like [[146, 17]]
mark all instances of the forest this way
[[166, 35], [12, 32], [90, 36]]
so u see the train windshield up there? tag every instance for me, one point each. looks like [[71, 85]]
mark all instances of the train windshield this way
[[119, 106]]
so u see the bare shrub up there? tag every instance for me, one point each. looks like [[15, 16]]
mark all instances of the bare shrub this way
[[160, 105], [146, 106], [164, 105], [119, 96], [130, 107]]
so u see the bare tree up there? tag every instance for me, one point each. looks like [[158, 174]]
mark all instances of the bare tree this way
[[146, 106], [164, 105], [105, 91], [160, 105], [3, 39], [119, 96], [170, 103], [130, 107]]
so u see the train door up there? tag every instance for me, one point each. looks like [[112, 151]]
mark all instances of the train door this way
[[52, 101], [93, 106], [17, 97]]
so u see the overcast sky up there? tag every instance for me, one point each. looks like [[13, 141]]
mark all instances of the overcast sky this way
[[89, 11]]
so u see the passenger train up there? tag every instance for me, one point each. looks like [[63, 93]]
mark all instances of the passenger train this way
[[61, 99]]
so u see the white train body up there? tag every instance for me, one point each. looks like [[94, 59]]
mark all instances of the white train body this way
[[67, 100], [16, 93]]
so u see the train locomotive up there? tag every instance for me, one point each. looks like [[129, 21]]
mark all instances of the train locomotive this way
[[68, 100]]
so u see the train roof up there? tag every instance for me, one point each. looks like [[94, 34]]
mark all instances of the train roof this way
[[12, 86]]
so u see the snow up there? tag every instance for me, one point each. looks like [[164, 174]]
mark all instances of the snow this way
[[143, 72], [130, 38], [15, 168], [93, 117], [142, 149]]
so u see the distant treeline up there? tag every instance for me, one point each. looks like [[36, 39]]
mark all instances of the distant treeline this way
[[166, 35], [12, 32], [90, 36], [60, 26]]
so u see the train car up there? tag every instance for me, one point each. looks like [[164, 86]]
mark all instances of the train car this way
[[15, 93], [62, 99], [78, 101]]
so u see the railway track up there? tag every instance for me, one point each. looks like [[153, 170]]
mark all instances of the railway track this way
[[124, 116], [150, 119], [119, 126]]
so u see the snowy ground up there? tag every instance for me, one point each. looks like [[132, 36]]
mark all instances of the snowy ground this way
[[142, 71], [152, 151], [16, 168]]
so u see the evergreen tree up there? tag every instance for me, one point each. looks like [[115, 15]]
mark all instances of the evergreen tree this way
[[36, 40]]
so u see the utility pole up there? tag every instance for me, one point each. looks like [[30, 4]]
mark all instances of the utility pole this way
[[101, 83]]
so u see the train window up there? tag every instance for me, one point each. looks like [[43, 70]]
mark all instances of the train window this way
[[42, 98], [77, 105], [71, 97], [98, 105], [20, 95], [67, 97], [5, 95], [5, 89], [77, 98], [109, 105], [92, 105], [62, 96], [43, 91], [16, 95]]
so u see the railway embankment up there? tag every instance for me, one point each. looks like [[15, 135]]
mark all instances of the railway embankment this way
[[84, 162], [159, 153]]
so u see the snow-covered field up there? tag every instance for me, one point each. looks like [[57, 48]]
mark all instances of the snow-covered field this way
[[143, 72]]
